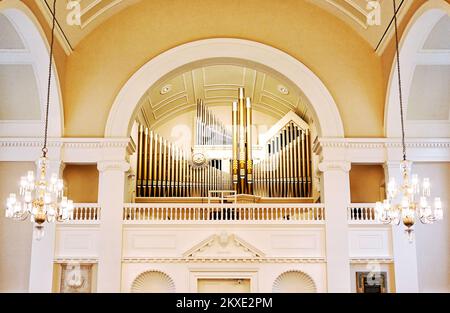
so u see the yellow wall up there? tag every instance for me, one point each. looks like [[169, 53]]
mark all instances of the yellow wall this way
[[15, 237], [106, 59], [81, 182], [366, 183]]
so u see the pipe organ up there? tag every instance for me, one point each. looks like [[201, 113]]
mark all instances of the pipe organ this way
[[242, 161], [286, 169], [282, 171], [164, 170], [209, 129]]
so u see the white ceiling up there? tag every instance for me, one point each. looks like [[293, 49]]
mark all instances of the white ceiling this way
[[9, 38], [439, 38], [353, 12], [218, 85], [430, 93], [429, 96], [19, 97]]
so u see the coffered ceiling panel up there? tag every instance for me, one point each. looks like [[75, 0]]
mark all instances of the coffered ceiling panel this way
[[217, 85], [360, 15], [353, 12], [92, 14]]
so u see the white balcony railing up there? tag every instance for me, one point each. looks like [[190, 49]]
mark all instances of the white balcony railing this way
[[86, 213], [362, 213], [357, 213], [232, 213]]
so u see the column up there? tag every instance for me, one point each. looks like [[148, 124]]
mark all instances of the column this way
[[43, 251], [335, 194], [405, 257], [111, 199]]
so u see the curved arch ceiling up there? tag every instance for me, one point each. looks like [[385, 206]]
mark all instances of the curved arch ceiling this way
[[353, 12], [16, 65], [217, 86], [429, 96]]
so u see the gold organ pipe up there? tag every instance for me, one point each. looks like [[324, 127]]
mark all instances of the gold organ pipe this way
[[242, 150], [248, 127], [234, 165], [303, 158], [150, 165], [292, 161], [308, 165]]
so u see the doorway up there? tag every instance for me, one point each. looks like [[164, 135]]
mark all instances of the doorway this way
[[223, 285]]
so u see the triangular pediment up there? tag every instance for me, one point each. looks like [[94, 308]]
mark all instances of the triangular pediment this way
[[223, 246], [290, 117]]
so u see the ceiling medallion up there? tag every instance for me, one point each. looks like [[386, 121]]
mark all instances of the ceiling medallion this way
[[166, 89], [283, 90]]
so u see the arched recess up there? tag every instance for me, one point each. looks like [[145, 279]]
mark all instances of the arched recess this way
[[153, 282], [36, 54], [412, 54], [294, 282], [243, 52]]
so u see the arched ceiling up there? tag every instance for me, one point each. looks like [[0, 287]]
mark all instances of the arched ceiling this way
[[429, 97], [217, 86], [18, 101], [353, 12]]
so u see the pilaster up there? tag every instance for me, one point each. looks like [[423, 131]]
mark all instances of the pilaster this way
[[335, 193]]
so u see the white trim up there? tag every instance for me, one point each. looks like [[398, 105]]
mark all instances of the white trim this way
[[354, 150], [275, 129], [241, 52], [72, 150]]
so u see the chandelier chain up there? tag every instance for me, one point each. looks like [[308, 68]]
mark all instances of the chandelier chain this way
[[44, 148], [399, 81]]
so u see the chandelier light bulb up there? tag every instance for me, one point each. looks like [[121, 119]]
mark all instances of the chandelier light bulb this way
[[41, 200], [426, 187], [411, 207]]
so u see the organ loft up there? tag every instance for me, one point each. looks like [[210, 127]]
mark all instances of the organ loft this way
[[224, 163]]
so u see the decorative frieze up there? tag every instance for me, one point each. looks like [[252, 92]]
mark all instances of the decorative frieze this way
[[224, 260]]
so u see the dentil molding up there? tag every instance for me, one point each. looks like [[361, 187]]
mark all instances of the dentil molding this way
[[343, 166], [104, 166]]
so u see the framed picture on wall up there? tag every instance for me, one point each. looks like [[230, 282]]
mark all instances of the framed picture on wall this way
[[371, 282]]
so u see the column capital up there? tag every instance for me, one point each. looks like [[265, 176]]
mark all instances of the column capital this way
[[104, 166], [343, 166]]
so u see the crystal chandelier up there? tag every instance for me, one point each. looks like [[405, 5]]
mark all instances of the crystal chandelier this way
[[415, 196], [41, 198]]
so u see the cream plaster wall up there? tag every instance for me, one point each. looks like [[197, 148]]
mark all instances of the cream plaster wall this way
[[104, 61], [432, 241], [81, 182], [15, 237], [366, 183]]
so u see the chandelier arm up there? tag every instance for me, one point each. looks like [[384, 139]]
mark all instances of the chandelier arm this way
[[399, 81], [50, 66], [22, 217]]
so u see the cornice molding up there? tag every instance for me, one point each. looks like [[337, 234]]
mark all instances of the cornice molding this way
[[86, 260], [371, 260], [84, 143], [224, 260], [369, 143], [104, 166], [326, 166]]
